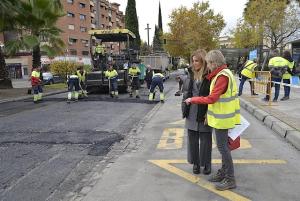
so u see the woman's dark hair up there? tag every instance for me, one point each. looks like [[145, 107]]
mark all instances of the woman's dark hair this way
[[287, 55]]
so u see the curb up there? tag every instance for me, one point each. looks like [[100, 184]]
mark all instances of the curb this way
[[29, 96], [287, 132]]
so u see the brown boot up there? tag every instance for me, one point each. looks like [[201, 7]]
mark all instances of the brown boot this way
[[226, 183]]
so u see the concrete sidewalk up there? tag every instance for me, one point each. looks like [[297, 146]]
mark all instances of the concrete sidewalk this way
[[145, 166], [20, 89], [283, 117]]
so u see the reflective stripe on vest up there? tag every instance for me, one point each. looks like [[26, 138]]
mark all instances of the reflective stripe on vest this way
[[248, 71], [287, 75], [225, 113]]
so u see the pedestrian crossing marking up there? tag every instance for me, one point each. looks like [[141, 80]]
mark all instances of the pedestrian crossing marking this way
[[230, 195], [172, 138]]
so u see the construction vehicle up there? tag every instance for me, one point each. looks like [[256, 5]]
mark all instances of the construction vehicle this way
[[157, 61], [120, 58]]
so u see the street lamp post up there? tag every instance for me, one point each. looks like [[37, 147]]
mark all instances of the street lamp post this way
[[148, 28]]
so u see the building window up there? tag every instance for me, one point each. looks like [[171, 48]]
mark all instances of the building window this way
[[82, 17], [102, 26], [25, 71], [81, 5], [73, 52], [72, 41], [71, 27], [70, 1], [70, 14], [83, 29], [85, 53], [84, 41]]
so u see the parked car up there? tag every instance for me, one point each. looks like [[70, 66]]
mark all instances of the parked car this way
[[48, 78]]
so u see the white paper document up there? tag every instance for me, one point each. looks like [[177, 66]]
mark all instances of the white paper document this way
[[238, 129]]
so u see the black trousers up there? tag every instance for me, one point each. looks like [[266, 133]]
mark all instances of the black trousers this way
[[200, 156]]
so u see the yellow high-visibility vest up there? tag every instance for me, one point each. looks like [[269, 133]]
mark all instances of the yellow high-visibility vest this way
[[81, 77], [111, 74], [35, 74], [248, 71], [225, 113], [100, 49], [287, 75], [134, 71]]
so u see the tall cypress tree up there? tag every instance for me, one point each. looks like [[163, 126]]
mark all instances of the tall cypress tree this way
[[131, 23], [158, 32], [160, 19], [157, 44]]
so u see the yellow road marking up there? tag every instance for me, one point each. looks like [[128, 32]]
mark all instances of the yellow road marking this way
[[172, 138], [166, 164], [245, 144]]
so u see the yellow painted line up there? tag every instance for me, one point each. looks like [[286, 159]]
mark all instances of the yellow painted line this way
[[165, 164], [245, 144], [179, 122], [172, 138]]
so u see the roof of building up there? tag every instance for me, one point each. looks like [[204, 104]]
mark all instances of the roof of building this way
[[112, 35]]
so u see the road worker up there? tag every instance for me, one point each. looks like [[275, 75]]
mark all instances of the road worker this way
[[278, 66], [134, 73], [99, 56], [36, 84], [73, 87], [81, 73], [157, 80], [112, 76], [286, 77], [246, 74]]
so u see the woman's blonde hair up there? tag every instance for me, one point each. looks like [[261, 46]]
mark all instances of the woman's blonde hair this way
[[215, 57], [200, 55]]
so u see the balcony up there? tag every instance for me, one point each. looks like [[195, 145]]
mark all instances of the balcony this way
[[93, 26], [93, 15]]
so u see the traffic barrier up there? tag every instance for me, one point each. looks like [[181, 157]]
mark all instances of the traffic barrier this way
[[262, 84]]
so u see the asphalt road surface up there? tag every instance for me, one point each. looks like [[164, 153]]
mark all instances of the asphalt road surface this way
[[47, 149]]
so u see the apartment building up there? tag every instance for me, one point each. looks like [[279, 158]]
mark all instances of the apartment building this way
[[82, 16]]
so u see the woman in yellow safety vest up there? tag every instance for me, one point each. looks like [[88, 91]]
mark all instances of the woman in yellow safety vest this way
[[223, 113], [286, 77]]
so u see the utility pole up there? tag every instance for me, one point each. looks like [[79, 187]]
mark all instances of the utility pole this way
[[148, 28]]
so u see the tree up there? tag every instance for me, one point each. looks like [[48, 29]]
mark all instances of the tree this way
[[36, 28], [157, 43], [63, 68], [158, 33], [244, 36], [144, 50], [275, 22], [160, 27], [131, 23], [8, 9], [190, 29]]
